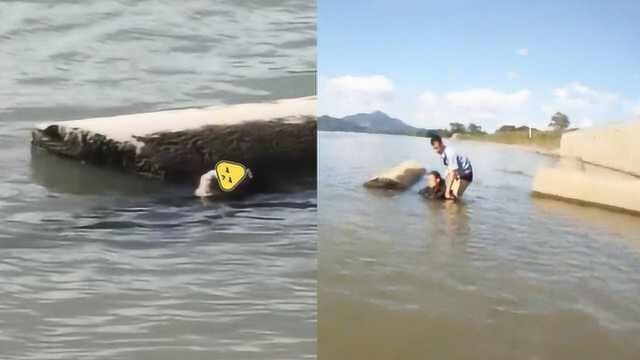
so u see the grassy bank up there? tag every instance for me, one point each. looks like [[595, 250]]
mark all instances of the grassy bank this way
[[547, 140]]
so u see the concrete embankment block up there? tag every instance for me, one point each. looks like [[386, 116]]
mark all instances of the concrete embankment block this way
[[589, 185], [181, 145], [614, 146]]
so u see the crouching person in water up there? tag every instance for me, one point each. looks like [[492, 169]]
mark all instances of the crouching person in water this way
[[436, 188], [458, 170]]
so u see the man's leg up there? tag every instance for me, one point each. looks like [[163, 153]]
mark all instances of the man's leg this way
[[459, 186]]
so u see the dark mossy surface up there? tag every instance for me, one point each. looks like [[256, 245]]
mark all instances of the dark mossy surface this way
[[274, 150]]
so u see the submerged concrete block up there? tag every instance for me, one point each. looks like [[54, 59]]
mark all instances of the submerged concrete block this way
[[181, 145], [401, 176], [582, 183], [614, 146]]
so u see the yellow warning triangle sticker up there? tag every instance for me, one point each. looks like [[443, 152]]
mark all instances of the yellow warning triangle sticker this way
[[230, 174]]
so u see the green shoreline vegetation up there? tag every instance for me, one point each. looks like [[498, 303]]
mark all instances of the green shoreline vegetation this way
[[523, 135], [378, 122], [547, 140]]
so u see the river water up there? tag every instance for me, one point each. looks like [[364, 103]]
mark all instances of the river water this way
[[95, 264], [500, 275]]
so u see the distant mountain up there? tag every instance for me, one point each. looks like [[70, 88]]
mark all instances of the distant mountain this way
[[376, 122], [328, 123]]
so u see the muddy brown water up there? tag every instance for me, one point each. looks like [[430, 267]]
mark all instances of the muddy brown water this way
[[501, 275]]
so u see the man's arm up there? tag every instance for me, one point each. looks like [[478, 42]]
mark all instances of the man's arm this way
[[452, 171], [450, 178]]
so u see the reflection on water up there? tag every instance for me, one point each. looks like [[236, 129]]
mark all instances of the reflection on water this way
[[619, 224], [67, 176], [500, 275], [96, 264]]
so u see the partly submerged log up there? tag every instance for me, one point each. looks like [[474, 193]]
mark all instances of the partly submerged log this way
[[400, 177], [276, 139]]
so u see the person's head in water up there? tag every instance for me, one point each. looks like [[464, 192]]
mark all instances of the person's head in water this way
[[437, 144], [210, 186], [434, 179], [435, 188]]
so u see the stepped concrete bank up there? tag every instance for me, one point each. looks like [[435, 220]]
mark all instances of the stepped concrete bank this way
[[590, 185], [599, 166], [615, 146], [181, 145]]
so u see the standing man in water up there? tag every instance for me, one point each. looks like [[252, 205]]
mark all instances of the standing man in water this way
[[458, 170]]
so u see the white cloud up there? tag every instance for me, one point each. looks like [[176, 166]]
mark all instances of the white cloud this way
[[586, 106], [636, 110], [346, 95], [512, 75], [522, 51], [487, 107], [374, 83], [427, 99], [486, 98]]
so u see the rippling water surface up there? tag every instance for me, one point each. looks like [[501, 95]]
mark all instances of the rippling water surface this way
[[501, 275], [95, 264]]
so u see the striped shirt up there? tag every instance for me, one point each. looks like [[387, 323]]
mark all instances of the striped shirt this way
[[454, 160]]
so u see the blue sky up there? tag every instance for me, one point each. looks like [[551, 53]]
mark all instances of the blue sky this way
[[490, 62]]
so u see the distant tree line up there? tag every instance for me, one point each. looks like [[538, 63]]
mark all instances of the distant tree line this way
[[559, 122]]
